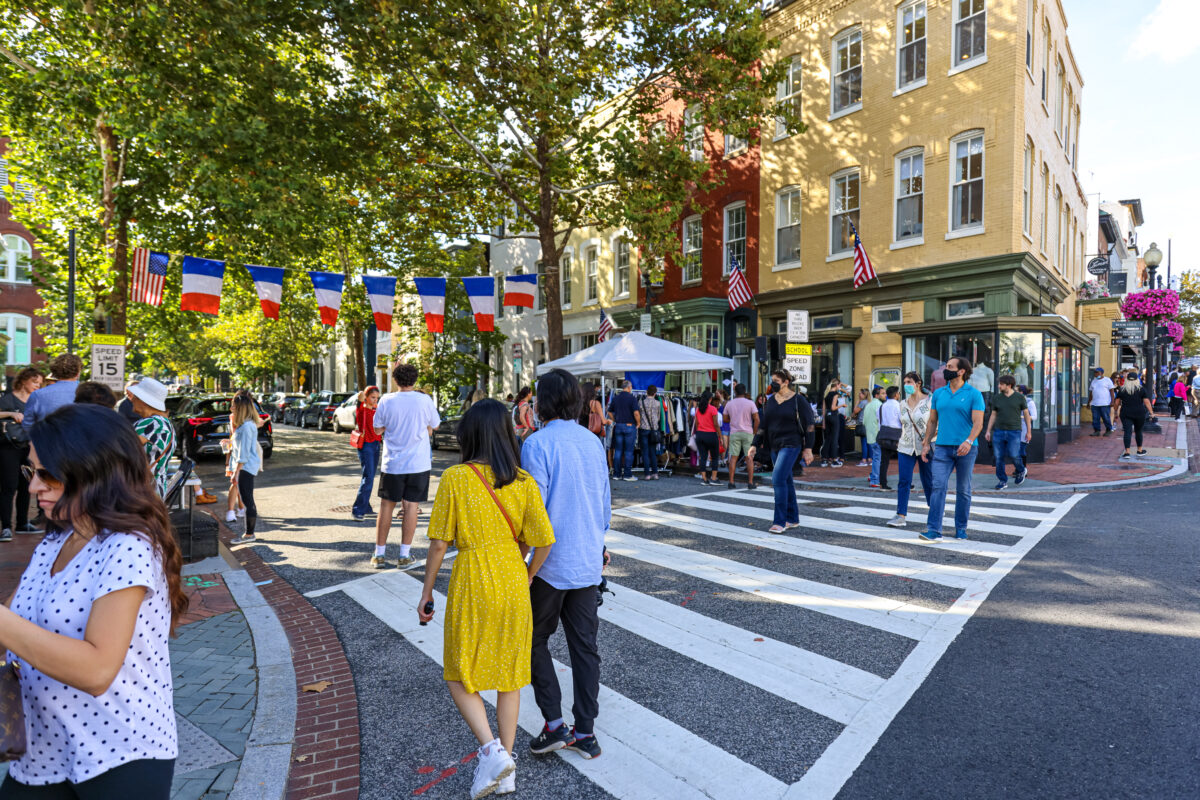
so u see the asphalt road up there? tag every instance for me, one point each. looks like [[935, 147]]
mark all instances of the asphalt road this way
[[1072, 679]]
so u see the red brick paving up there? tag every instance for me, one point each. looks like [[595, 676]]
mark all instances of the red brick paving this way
[[14, 557], [207, 597]]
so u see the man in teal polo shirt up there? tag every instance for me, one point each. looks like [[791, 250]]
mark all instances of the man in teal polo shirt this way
[[955, 420]]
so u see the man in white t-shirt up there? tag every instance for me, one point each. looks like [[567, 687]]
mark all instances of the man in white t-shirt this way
[[1103, 392], [405, 419]]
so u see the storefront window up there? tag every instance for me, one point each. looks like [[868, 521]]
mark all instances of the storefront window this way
[[927, 356], [1021, 356], [1066, 386], [1077, 395], [831, 360], [1050, 409]]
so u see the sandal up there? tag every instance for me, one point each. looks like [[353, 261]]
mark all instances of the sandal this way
[[776, 529]]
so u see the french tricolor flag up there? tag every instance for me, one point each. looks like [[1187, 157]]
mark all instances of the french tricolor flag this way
[[519, 289], [433, 302], [202, 279], [382, 293], [268, 282], [328, 286], [481, 293]]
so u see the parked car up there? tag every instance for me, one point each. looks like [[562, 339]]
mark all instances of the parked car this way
[[202, 423], [278, 402], [292, 412], [446, 434], [343, 417], [319, 412]]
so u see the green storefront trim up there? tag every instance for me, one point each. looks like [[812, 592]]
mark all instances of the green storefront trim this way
[[668, 316], [1055, 326]]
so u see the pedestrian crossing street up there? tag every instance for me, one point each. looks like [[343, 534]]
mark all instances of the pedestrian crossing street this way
[[816, 638]]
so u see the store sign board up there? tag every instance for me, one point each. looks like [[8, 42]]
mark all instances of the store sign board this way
[[797, 326]]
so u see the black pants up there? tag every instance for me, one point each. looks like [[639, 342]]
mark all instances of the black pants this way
[[578, 611], [1133, 426], [831, 447], [13, 484], [885, 460], [708, 448], [145, 779], [1176, 407], [246, 490]]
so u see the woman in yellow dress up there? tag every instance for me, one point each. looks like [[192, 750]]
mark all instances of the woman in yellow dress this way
[[493, 511]]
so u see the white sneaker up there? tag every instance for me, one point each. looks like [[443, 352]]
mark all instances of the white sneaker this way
[[897, 522], [508, 784], [492, 767], [230, 516], [241, 513]]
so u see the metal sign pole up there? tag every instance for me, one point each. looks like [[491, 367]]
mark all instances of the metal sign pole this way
[[71, 292]]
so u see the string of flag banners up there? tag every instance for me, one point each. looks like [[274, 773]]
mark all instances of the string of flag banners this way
[[203, 280]]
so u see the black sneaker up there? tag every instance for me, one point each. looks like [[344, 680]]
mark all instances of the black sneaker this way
[[1020, 478], [550, 740], [587, 747]]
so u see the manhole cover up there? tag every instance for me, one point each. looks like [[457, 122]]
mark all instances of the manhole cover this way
[[342, 509]]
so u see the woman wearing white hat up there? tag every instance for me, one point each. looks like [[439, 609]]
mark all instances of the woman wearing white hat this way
[[158, 435]]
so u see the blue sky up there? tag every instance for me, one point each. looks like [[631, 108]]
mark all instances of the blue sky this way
[[1141, 112]]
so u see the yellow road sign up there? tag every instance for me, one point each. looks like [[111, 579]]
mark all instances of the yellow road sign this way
[[104, 338], [798, 349]]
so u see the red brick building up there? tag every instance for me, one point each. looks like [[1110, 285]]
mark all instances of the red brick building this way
[[20, 303]]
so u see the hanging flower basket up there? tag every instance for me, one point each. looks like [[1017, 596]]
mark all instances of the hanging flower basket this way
[[1090, 290], [1175, 331], [1178, 348], [1154, 304]]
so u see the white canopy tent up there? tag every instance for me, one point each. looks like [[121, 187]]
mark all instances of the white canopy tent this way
[[636, 352]]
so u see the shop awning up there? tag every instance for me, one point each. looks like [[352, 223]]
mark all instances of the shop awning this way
[[636, 352]]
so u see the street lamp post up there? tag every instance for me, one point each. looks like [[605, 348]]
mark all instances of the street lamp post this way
[[1152, 257]]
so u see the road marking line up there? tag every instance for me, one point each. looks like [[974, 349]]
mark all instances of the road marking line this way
[[646, 756], [915, 569], [913, 504], [904, 536], [338, 587], [824, 685], [882, 613], [982, 499]]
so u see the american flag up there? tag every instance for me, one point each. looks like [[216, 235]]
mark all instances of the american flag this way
[[149, 272], [739, 287], [606, 326], [863, 271]]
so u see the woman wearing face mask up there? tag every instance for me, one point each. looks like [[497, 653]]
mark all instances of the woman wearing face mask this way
[[786, 428], [1133, 408], [914, 416], [831, 448]]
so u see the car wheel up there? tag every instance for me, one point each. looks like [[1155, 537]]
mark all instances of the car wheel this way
[[321, 423], [337, 426]]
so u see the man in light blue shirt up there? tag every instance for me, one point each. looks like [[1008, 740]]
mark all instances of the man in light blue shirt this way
[[955, 420], [568, 463], [65, 370]]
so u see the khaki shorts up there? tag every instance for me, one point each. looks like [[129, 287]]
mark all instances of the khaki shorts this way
[[739, 444]]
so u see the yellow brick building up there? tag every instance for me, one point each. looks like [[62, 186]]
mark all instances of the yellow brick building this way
[[946, 133]]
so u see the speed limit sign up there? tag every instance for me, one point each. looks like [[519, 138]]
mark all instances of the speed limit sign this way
[[108, 361]]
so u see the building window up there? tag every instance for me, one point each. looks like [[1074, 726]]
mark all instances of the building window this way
[[964, 308], [970, 30], [564, 279], [1058, 232], [693, 133], [911, 44], [566, 346], [592, 254], [1045, 61], [16, 257], [1059, 90], [910, 194], [588, 340], [1064, 232], [1027, 190], [733, 145], [3, 175], [843, 211], [827, 322], [847, 71], [787, 93], [621, 268], [787, 226], [1029, 15], [693, 244], [704, 336], [735, 237], [1075, 142], [1045, 205], [966, 201], [517, 311], [882, 316], [16, 327]]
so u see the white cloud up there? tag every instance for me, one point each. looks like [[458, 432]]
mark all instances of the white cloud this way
[[1168, 32]]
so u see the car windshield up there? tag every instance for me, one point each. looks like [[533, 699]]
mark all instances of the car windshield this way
[[341, 397]]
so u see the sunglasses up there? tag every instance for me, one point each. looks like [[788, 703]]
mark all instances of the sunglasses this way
[[42, 474]]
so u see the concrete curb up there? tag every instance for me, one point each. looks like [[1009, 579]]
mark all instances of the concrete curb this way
[[264, 770]]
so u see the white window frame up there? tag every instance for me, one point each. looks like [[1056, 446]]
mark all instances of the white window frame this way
[[959, 64], [1075, 142], [1060, 88], [619, 242], [847, 38], [8, 327], [735, 146], [967, 138], [12, 248], [834, 198], [899, 195], [1056, 245], [726, 241], [968, 315], [1027, 191], [591, 273], [882, 327], [698, 251], [1046, 65], [565, 266], [788, 91], [1045, 208], [1030, 19], [789, 199], [922, 40], [693, 133], [1068, 107], [1064, 229]]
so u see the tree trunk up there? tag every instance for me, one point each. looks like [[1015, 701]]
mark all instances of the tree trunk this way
[[356, 347], [119, 299], [551, 255]]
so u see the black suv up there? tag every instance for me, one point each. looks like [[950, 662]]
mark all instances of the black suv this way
[[202, 423], [319, 411]]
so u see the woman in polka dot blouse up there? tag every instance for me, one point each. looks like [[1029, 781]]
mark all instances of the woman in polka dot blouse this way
[[87, 627]]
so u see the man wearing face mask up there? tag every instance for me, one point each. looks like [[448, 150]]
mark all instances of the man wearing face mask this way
[[955, 420]]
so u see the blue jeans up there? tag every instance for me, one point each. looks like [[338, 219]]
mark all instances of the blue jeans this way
[[946, 459], [1006, 443], [787, 510], [875, 454], [649, 451], [624, 442], [1101, 413], [904, 487], [368, 459]]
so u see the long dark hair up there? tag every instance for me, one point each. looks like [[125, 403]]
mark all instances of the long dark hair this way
[[702, 406], [486, 434], [107, 485], [587, 393]]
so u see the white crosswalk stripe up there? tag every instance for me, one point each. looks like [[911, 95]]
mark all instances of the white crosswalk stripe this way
[[648, 756]]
